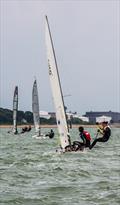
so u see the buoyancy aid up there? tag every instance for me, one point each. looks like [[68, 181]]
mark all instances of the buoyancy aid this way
[[87, 135]]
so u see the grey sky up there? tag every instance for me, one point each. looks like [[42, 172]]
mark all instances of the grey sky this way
[[86, 41]]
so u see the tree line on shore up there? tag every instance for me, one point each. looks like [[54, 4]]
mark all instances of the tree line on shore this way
[[6, 118]]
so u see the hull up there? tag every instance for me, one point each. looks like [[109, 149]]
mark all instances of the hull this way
[[40, 137]]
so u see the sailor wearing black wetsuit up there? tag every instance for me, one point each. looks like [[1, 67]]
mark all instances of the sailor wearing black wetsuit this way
[[106, 135], [50, 134]]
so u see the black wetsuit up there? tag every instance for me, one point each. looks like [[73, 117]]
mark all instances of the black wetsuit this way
[[78, 146], [24, 129], [81, 145], [86, 142], [105, 138], [28, 129], [50, 134]]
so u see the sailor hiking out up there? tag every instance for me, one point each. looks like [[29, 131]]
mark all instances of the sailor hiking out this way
[[106, 133]]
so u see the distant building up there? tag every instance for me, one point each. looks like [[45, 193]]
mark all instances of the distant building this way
[[84, 119], [44, 114], [52, 114], [70, 116], [103, 118], [115, 116]]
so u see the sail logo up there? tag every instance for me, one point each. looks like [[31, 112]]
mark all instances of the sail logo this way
[[49, 66]]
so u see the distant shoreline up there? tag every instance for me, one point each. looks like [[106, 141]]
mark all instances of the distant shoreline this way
[[117, 125]]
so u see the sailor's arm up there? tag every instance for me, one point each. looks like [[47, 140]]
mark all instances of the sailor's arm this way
[[100, 130]]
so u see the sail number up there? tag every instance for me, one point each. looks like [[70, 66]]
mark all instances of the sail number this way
[[49, 66]]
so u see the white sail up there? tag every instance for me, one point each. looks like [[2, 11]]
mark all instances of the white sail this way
[[35, 108], [56, 89], [15, 109]]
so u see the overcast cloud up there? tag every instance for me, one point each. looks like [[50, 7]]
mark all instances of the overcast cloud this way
[[86, 40]]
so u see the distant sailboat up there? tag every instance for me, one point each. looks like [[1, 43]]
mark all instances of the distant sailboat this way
[[15, 110], [35, 109], [56, 90]]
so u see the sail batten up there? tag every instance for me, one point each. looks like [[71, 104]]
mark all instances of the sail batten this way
[[56, 89]]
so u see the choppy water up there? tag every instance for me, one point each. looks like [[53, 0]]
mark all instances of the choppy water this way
[[32, 173]]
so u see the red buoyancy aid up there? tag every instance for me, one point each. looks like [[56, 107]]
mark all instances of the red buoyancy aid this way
[[87, 135]]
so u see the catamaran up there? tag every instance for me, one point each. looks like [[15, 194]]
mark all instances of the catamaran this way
[[15, 110], [56, 90], [35, 109]]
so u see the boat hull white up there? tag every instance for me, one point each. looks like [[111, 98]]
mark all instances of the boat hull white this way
[[40, 137]]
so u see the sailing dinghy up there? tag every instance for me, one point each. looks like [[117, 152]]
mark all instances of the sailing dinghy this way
[[35, 109], [15, 110], [56, 90]]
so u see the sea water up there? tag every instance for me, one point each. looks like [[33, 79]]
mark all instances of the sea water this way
[[33, 173]]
